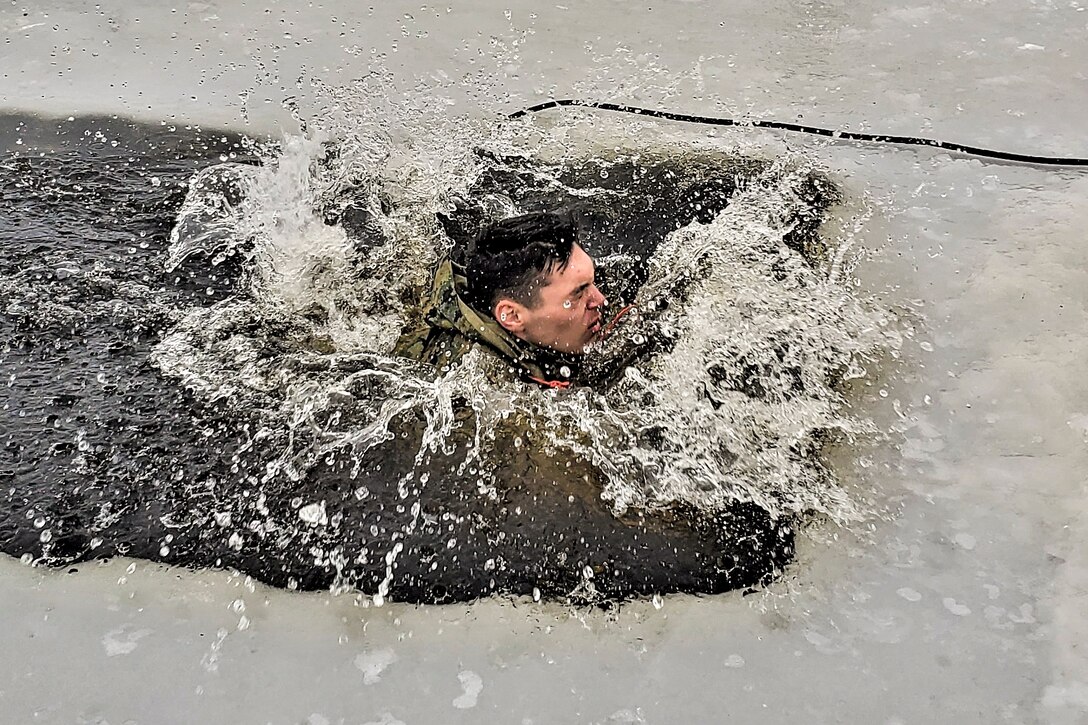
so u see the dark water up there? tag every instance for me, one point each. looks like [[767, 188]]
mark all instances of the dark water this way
[[103, 455]]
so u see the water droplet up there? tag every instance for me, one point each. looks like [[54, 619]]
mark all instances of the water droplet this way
[[39, 522], [658, 601], [314, 514], [46, 536], [567, 304]]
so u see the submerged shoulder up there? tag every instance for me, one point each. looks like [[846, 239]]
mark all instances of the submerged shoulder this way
[[437, 346]]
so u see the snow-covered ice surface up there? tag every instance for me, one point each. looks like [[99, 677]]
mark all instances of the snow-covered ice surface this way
[[967, 605]]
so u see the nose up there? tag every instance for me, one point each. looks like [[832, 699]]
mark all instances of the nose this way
[[596, 299]]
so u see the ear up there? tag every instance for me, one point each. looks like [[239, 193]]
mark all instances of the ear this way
[[510, 315]]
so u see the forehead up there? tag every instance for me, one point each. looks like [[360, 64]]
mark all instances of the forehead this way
[[579, 270]]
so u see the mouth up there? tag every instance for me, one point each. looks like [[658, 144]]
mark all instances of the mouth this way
[[595, 328]]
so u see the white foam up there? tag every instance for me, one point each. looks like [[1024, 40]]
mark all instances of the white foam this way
[[473, 685], [373, 664]]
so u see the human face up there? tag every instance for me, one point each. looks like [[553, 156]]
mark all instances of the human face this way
[[566, 315]]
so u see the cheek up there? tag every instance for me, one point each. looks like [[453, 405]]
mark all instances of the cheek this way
[[563, 315]]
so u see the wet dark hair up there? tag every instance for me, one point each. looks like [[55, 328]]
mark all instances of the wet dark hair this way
[[511, 257]]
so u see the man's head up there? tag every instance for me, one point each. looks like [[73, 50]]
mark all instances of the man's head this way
[[531, 275]]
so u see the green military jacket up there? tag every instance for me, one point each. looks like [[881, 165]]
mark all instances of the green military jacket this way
[[451, 327]]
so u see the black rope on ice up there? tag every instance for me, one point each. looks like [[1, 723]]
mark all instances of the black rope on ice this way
[[781, 125]]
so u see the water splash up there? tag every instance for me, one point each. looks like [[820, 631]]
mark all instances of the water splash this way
[[275, 434], [733, 396], [739, 407]]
